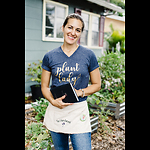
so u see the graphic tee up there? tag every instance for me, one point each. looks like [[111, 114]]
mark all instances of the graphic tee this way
[[74, 69]]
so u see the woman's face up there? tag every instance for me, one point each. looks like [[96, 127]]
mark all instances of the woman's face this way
[[72, 31]]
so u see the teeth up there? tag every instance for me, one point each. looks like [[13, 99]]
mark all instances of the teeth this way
[[71, 37]]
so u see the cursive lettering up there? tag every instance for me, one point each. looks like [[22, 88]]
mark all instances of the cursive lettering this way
[[60, 71]]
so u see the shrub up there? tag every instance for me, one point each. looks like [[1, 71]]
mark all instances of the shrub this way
[[37, 137], [112, 69], [35, 71]]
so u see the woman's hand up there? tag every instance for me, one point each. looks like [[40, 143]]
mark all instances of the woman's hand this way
[[79, 92], [59, 103]]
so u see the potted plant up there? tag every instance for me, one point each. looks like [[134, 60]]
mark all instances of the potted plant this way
[[35, 71]]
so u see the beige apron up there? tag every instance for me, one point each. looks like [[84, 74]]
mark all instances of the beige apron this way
[[71, 119]]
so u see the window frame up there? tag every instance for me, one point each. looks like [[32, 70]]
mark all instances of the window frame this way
[[89, 40], [44, 38]]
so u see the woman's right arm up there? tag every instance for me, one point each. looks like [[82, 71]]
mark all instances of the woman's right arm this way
[[45, 79]]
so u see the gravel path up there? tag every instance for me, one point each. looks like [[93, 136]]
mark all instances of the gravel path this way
[[115, 140]]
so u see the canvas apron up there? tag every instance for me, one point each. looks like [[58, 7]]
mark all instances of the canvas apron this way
[[71, 119]]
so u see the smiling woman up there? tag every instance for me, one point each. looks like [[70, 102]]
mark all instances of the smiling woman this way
[[72, 32], [75, 64], [72, 27]]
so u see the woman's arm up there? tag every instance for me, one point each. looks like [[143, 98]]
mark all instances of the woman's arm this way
[[45, 79], [95, 84]]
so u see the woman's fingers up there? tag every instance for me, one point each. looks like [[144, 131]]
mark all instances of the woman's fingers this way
[[60, 104]]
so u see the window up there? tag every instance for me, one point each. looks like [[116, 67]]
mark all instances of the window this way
[[84, 35], [95, 31], [90, 35], [54, 15]]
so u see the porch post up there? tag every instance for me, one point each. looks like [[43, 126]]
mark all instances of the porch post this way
[[101, 31]]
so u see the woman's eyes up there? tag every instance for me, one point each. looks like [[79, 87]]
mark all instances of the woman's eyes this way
[[70, 27], [76, 29]]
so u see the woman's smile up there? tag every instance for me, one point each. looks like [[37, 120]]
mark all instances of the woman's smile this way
[[72, 31], [71, 37]]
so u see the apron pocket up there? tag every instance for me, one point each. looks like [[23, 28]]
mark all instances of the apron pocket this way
[[65, 120]]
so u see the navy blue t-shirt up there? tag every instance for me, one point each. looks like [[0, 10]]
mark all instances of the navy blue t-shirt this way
[[74, 69]]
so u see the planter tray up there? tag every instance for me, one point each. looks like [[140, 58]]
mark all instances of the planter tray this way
[[117, 109]]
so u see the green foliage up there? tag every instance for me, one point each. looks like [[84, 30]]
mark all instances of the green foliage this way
[[112, 65], [26, 98], [101, 102], [115, 37], [118, 3], [40, 108], [112, 69], [37, 137], [35, 71]]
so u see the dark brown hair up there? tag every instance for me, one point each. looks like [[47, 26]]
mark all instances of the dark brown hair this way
[[72, 16]]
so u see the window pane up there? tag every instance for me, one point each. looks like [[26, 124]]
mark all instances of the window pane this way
[[59, 23], [49, 21], [85, 17], [84, 37], [50, 10], [95, 38], [95, 19], [95, 27], [86, 20], [86, 25], [49, 32], [95, 31], [54, 18], [61, 12]]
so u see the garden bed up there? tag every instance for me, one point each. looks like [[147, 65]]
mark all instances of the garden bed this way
[[117, 108], [30, 118], [113, 139]]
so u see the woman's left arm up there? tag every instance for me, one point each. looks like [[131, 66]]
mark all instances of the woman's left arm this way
[[95, 84]]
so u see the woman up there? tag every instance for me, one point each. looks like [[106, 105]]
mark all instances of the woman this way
[[75, 64]]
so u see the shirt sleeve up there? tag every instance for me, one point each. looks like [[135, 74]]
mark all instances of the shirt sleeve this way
[[93, 62], [45, 63]]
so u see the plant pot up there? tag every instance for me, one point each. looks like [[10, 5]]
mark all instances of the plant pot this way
[[36, 92]]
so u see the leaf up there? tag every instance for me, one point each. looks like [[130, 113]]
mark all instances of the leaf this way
[[98, 94], [42, 137], [37, 117], [92, 102], [97, 101]]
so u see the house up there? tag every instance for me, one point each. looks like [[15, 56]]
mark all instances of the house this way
[[117, 22], [43, 21]]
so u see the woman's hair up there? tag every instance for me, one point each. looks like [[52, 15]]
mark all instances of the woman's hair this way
[[74, 16]]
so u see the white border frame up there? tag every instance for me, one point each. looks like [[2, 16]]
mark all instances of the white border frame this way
[[43, 24]]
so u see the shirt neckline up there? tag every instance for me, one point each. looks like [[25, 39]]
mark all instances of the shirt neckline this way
[[70, 55]]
